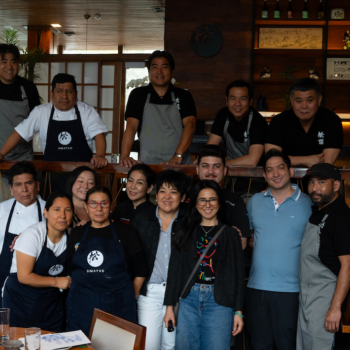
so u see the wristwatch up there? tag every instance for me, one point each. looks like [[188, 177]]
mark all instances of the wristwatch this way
[[178, 155]]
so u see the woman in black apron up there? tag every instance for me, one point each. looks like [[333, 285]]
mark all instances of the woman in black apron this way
[[140, 182], [106, 262], [80, 180], [34, 293]]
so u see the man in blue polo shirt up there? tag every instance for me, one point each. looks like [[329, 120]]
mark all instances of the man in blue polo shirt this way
[[278, 218]]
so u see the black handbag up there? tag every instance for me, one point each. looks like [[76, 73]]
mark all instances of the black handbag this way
[[177, 305]]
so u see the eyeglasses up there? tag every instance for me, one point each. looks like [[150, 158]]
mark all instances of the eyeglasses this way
[[201, 202], [103, 204]]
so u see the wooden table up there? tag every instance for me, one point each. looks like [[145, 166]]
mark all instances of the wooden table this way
[[16, 333]]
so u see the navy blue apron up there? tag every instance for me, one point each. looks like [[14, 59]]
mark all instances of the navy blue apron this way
[[99, 280], [66, 141], [37, 307], [6, 254]]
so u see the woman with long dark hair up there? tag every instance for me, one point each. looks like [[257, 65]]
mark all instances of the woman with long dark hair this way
[[211, 307], [80, 180], [140, 182]]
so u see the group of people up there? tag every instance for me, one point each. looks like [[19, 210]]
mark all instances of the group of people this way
[[139, 261], [178, 264]]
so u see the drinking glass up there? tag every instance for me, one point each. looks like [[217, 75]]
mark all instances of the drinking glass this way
[[4, 325], [32, 338]]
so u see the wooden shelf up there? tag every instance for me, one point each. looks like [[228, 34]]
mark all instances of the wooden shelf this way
[[338, 82], [279, 81], [338, 53], [289, 52], [339, 23], [281, 22]]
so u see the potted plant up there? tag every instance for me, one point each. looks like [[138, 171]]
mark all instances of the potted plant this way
[[288, 73]]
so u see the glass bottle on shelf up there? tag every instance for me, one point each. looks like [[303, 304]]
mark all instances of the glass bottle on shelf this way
[[277, 12], [305, 13], [265, 12], [289, 10], [320, 11]]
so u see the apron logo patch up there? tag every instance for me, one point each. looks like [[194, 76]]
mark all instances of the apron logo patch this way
[[56, 270], [95, 258], [76, 246], [64, 138], [178, 103]]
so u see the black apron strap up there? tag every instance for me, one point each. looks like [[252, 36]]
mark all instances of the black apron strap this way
[[10, 217], [39, 210]]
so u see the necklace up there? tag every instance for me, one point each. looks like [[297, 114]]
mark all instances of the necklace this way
[[206, 232]]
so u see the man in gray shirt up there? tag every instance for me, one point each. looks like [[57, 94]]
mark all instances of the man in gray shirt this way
[[156, 227]]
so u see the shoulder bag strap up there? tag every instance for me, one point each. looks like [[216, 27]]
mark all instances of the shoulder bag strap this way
[[200, 260]]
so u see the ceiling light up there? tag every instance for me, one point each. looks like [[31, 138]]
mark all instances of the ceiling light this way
[[69, 34], [25, 27], [56, 25]]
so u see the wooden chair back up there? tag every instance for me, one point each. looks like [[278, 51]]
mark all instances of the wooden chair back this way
[[110, 332]]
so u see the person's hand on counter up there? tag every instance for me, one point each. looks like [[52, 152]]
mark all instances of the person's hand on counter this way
[[128, 162], [99, 161]]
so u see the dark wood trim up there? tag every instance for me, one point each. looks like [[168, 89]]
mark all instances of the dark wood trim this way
[[82, 81], [129, 57], [99, 80], [121, 172], [122, 106], [116, 106]]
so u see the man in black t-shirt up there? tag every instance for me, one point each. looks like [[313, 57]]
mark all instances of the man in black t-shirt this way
[[243, 130], [308, 133], [18, 97], [164, 117], [324, 261], [211, 166]]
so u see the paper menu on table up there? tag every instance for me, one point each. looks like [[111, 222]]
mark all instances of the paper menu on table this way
[[62, 340]]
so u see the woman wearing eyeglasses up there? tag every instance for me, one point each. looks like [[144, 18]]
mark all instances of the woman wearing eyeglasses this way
[[211, 307], [106, 263]]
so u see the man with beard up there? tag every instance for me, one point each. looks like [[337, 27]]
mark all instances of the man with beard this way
[[278, 217], [324, 261]]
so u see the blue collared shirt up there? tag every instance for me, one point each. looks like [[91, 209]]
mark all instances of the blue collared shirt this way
[[278, 232], [161, 264]]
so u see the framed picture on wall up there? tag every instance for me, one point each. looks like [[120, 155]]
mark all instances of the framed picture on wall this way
[[290, 38], [338, 68]]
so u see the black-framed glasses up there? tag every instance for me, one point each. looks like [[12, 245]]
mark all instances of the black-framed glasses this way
[[201, 202], [103, 204]]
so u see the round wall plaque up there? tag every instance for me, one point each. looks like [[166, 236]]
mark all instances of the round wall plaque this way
[[206, 40]]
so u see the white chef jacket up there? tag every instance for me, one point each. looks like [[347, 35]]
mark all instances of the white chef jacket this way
[[22, 217], [38, 122]]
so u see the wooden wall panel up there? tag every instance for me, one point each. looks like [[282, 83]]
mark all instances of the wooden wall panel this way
[[207, 78]]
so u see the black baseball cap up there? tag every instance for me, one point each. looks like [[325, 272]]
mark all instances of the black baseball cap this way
[[324, 171]]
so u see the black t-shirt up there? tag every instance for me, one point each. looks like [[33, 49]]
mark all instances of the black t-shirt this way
[[124, 212], [286, 131], [207, 268], [138, 97], [236, 129], [335, 234], [127, 235], [12, 92], [236, 212]]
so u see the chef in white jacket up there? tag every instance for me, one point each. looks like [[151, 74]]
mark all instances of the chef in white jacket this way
[[18, 213]]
